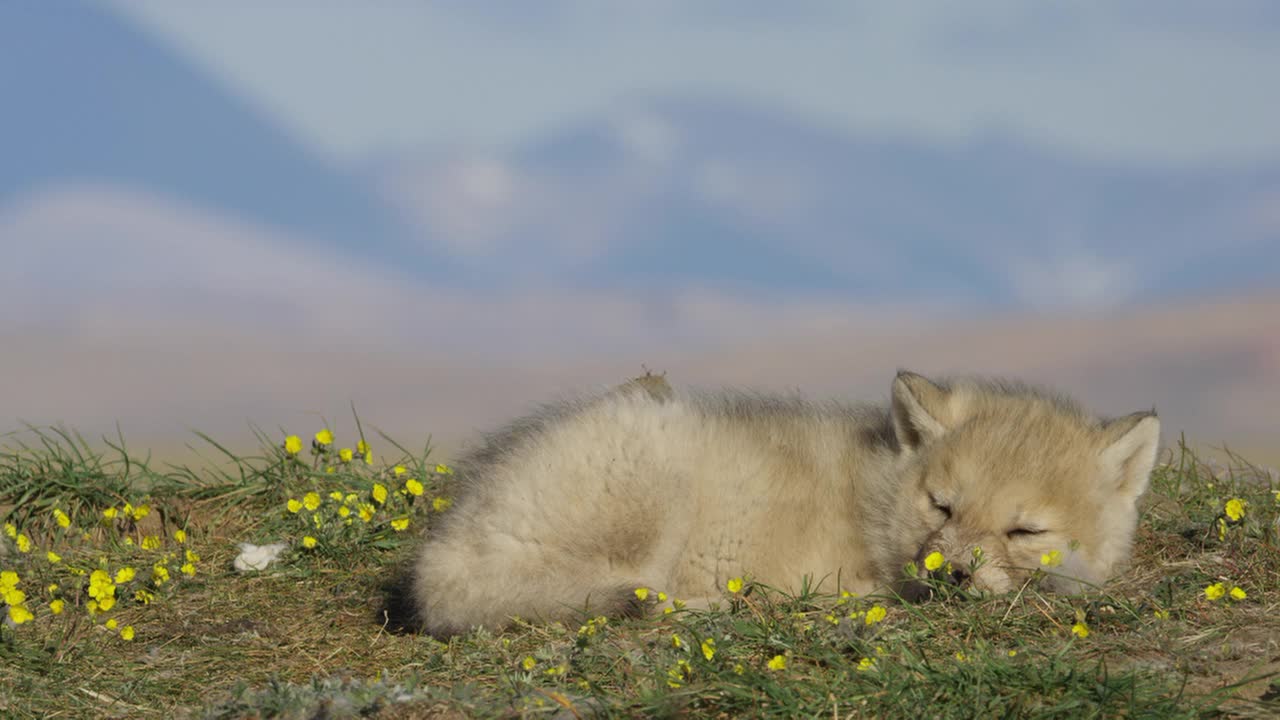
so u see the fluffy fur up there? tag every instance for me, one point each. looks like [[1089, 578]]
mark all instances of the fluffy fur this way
[[570, 509]]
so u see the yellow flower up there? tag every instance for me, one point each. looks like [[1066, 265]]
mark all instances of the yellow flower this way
[[1235, 509], [1080, 630], [875, 614], [1053, 558], [324, 438], [709, 649], [151, 542], [124, 575], [443, 469], [293, 445], [1013, 653], [107, 603], [336, 496], [676, 642], [662, 597], [738, 669], [441, 504], [188, 569], [144, 596], [141, 511], [379, 493], [191, 557], [866, 663], [20, 614], [1215, 591], [311, 501], [111, 624], [642, 593], [294, 506], [126, 632], [399, 524], [11, 530], [366, 512], [413, 486], [368, 457], [308, 542], [933, 561], [344, 511], [159, 574], [24, 543], [345, 455], [1160, 614], [734, 585], [1238, 594], [61, 518], [53, 557], [778, 663], [56, 606], [528, 663], [180, 536], [399, 470], [960, 657]]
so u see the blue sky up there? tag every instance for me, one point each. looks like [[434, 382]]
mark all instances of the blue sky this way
[[1152, 82]]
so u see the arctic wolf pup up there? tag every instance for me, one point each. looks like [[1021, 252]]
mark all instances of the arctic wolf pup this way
[[571, 509]]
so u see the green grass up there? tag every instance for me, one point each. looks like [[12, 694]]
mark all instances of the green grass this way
[[316, 634]]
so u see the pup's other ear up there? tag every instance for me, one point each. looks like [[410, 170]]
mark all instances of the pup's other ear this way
[[1129, 452], [921, 410]]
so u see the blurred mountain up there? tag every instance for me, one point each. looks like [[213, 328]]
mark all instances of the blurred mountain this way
[[664, 194], [87, 98]]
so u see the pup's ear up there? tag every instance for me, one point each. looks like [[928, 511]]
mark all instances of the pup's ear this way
[[1129, 452], [921, 410]]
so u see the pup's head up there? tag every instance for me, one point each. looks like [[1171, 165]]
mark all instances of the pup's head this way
[[1008, 479]]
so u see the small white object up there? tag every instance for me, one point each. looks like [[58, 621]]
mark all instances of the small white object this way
[[257, 557]]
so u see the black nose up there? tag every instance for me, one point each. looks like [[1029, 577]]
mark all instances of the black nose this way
[[959, 576]]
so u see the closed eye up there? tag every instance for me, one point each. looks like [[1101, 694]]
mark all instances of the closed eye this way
[[1023, 532], [945, 509]]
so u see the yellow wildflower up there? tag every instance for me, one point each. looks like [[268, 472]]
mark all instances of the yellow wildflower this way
[[11, 530], [734, 585], [778, 663], [1160, 614], [413, 486], [441, 504], [933, 561], [344, 511], [345, 455], [1235, 509], [126, 633], [124, 575], [141, 511], [151, 542], [1053, 558], [528, 663], [875, 614], [293, 445], [53, 557], [308, 542], [866, 663], [676, 642], [1013, 653], [960, 657], [144, 596], [20, 614], [366, 512], [111, 624], [709, 649], [336, 496], [379, 493], [642, 593], [738, 669], [400, 524], [1080, 630], [62, 519], [324, 438], [188, 569], [399, 470], [24, 543], [311, 501], [368, 457], [1238, 593], [159, 574], [107, 603], [294, 505], [1215, 591], [56, 606], [180, 536], [443, 469], [191, 557]]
